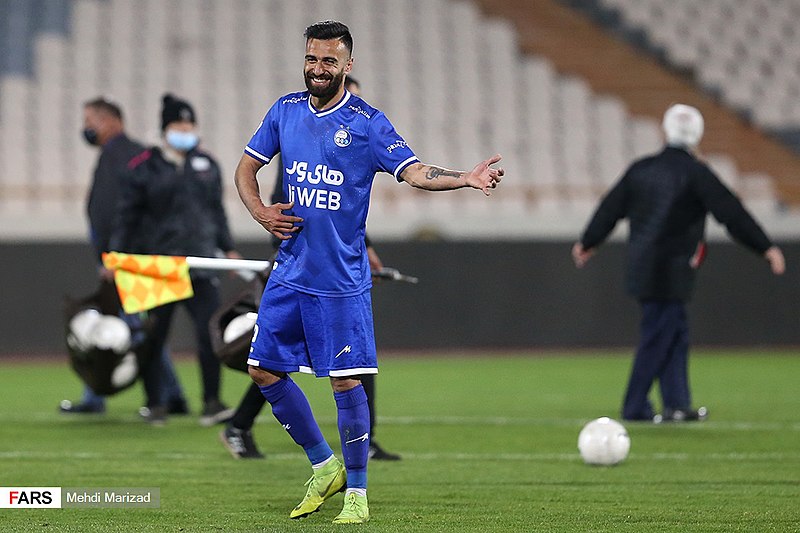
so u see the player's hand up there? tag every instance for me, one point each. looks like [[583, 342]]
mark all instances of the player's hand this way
[[271, 217], [581, 255], [105, 273], [776, 260], [484, 177]]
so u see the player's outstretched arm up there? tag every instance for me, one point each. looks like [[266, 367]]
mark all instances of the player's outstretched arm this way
[[270, 217], [434, 178]]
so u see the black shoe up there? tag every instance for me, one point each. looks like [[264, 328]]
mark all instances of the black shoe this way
[[638, 418], [379, 454], [682, 415], [178, 407], [240, 443], [215, 412], [67, 406], [155, 416]]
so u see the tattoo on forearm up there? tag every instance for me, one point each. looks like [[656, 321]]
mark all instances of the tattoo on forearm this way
[[435, 172]]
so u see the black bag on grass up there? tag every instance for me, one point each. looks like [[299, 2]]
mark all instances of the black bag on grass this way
[[106, 347], [232, 325]]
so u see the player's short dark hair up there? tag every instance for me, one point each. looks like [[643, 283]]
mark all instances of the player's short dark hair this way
[[103, 105], [349, 81], [330, 29]]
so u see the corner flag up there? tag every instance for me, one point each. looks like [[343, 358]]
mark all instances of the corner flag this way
[[148, 281]]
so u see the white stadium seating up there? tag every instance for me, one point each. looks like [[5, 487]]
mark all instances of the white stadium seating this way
[[563, 145], [747, 50]]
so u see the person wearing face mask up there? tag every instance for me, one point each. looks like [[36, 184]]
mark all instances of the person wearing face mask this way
[[103, 127], [171, 204]]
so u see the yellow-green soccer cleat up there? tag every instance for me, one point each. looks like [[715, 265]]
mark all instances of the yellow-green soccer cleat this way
[[355, 510], [325, 482]]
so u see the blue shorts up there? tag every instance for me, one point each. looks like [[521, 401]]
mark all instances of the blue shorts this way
[[324, 336]]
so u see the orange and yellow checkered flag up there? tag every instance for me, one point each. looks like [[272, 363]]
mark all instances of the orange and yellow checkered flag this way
[[148, 281]]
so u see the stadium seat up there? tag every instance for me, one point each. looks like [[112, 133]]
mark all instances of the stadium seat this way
[[644, 136], [609, 120], [734, 48]]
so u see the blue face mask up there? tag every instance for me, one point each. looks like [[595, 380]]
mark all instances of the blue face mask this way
[[183, 141]]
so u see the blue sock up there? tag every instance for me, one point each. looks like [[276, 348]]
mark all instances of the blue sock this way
[[354, 432], [291, 409]]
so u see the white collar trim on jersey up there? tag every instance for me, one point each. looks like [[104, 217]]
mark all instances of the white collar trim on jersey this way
[[343, 101]]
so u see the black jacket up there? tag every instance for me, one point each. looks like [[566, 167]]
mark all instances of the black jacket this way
[[101, 206], [168, 210], [665, 198]]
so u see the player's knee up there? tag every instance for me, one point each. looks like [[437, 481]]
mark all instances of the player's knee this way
[[264, 378], [344, 384]]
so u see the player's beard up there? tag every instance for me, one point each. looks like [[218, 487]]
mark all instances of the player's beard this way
[[326, 91]]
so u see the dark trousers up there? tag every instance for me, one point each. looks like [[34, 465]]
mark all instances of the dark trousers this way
[[200, 307], [663, 354], [253, 401]]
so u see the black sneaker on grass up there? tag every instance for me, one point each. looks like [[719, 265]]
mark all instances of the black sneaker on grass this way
[[82, 408], [215, 412], [379, 454], [155, 416], [178, 407], [682, 415], [240, 443]]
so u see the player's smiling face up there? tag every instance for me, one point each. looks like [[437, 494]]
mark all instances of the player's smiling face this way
[[326, 64]]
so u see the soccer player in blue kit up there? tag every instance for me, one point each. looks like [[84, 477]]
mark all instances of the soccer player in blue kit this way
[[316, 311]]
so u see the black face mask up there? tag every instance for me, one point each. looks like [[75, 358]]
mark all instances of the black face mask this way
[[90, 135]]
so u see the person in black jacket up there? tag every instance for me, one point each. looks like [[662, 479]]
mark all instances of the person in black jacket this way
[[104, 128], [665, 198], [237, 436], [171, 204]]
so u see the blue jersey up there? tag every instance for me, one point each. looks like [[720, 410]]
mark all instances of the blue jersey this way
[[329, 160]]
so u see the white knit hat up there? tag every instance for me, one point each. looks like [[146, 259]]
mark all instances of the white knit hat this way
[[683, 125]]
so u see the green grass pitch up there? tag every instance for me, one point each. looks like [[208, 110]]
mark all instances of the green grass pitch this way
[[488, 444]]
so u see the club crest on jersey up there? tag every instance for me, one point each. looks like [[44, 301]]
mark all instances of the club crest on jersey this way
[[342, 138]]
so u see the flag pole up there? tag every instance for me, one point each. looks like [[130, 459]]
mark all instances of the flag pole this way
[[222, 263]]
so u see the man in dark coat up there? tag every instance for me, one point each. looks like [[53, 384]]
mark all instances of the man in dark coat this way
[[665, 198], [103, 127]]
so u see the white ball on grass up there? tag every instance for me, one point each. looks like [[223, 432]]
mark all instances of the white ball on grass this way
[[604, 441]]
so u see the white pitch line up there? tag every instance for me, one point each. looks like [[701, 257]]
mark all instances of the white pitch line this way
[[414, 456], [765, 456], [177, 456], [494, 421], [577, 423]]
